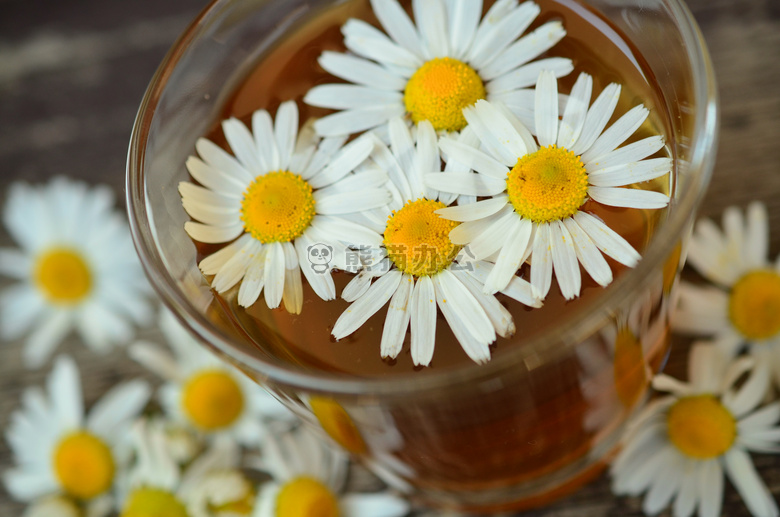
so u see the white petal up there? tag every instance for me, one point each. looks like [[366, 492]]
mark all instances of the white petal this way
[[756, 236], [64, 389], [115, 410], [710, 489], [265, 140], [541, 260], [207, 197], [243, 146], [501, 129], [473, 211], [349, 157], [628, 153], [357, 287], [431, 19], [286, 132], [499, 316], [588, 254], [233, 270], [618, 132], [213, 234], [348, 96], [465, 183], [749, 484], [357, 120], [607, 240], [273, 274], [512, 255], [46, 336], [632, 172], [222, 161], [254, 279], [214, 262], [397, 319], [361, 71], [210, 215], [426, 160], [546, 109], [369, 42], [490, 239], [472, 158], [567, 269], [350, 202], [628, 197], [575, 111], [598, 116], [465, 316], [381, 504], [215, 179], [523, 50], [321, 283], [490, 43], [526, 75], [463, 21], [367, 305], [423, 321], [397, 24]]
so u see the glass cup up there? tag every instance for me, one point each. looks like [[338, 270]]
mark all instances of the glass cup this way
[[531, 425]]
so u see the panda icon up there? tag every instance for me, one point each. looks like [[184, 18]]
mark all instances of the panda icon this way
[[320, 256]]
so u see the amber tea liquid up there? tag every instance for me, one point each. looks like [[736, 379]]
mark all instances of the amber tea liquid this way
[[535, 425]]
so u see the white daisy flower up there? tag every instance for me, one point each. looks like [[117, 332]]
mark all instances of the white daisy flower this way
[[679, 447], [206, 393], [416, 269], [308, 477], [537, 186], [76, 269], [282, 193], [743, 307], [433, 70], [60, 450], [211, 486]]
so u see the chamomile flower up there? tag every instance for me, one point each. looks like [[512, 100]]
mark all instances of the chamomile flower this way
[[416, 269], [211, 486], [281, 193], [537, 187], [308, 477], [62, 506], [679, 447], [449, 60], [76, 269], [206, 393], [60, 450], [743, 306]]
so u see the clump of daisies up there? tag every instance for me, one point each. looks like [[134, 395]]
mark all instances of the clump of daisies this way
[[679, 448], [205, 393], [64, 456], [75, 269], [739, 306], [430, 69]]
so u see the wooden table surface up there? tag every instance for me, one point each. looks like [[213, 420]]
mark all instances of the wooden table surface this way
[[72, 74]]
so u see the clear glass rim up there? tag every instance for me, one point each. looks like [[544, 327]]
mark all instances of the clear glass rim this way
[[582, 323]]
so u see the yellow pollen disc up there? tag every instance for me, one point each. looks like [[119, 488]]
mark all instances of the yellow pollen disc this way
[[212, 399], [306, 497], [547, 185], [63, 275], [629, 368], [754, 304], [418, 240], [277, 207], [83, 465], [439, 90], [337, 423], [153, 502], [700, 427]]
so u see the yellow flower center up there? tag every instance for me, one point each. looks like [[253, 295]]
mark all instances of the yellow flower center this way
[[439, 90], [629, 368], [63, 275], [277, 207], [337, 423], [417, 239], [547, 185], [153, 502], [700, 427], [83, 465], [212, 399], [306, 497], [754, 305]]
